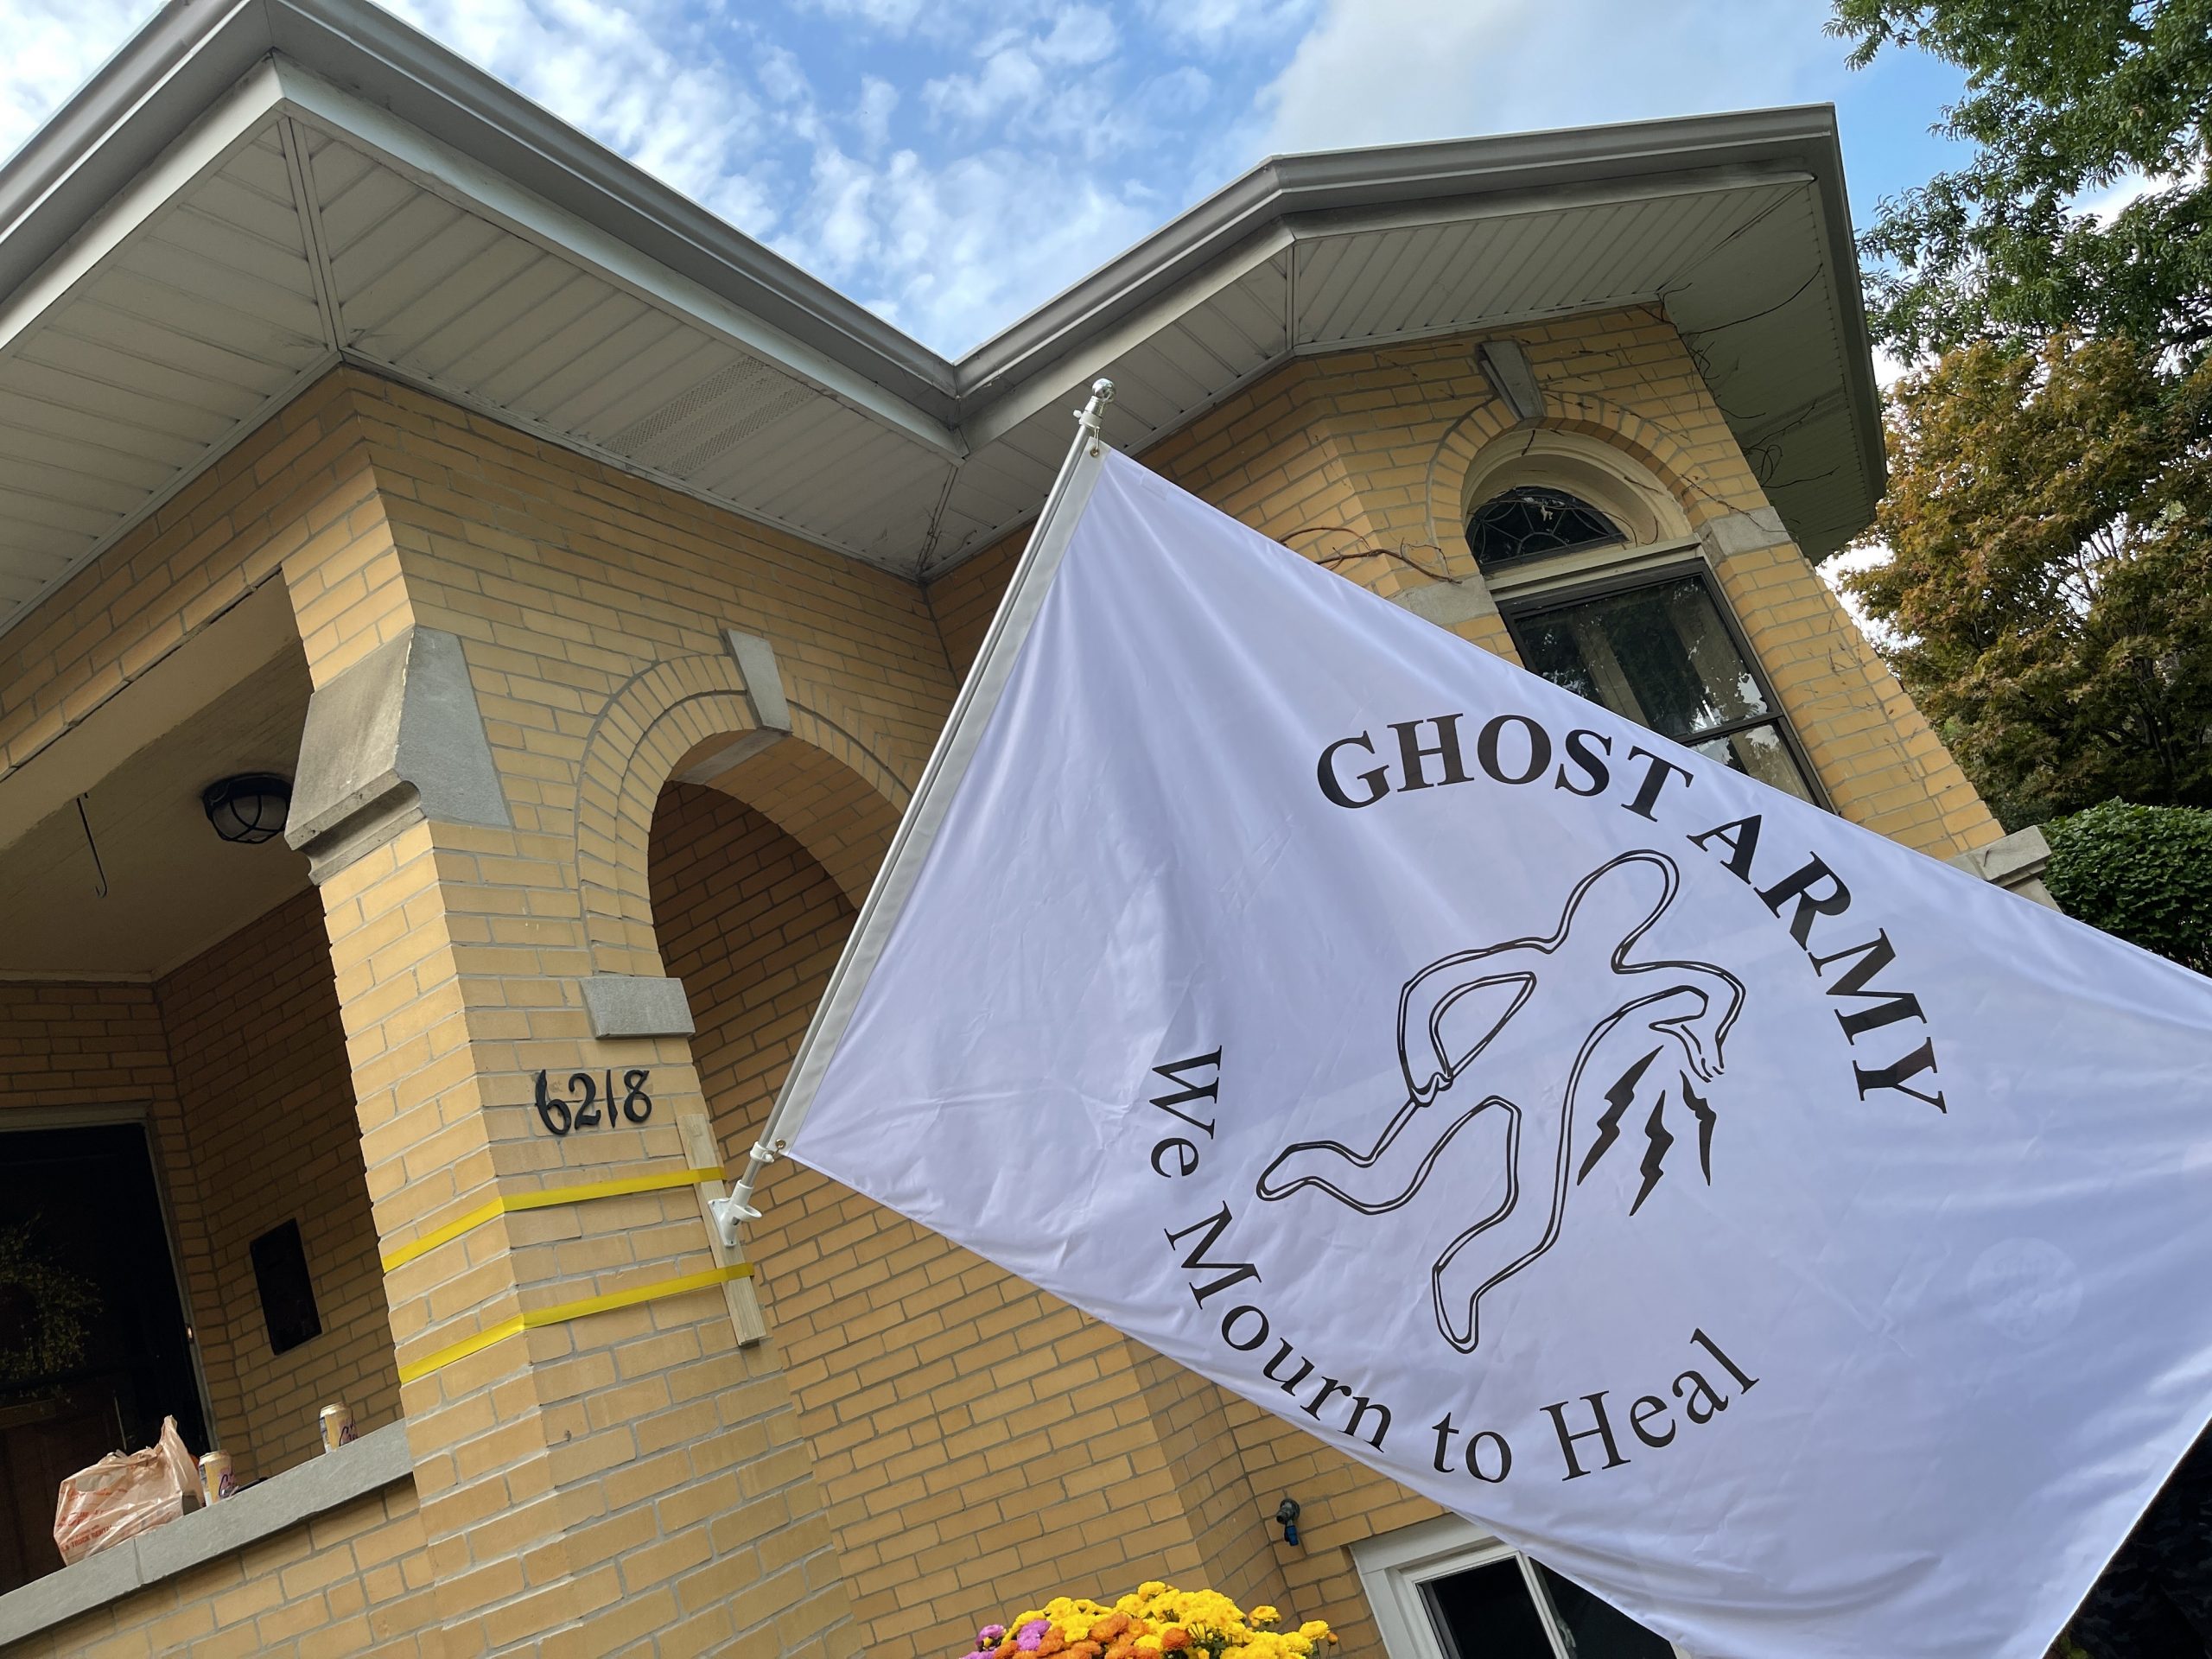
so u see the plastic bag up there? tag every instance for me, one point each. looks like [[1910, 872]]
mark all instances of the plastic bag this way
[[123, 1495]]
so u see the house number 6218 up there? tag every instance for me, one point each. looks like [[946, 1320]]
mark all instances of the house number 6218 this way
[[560, 1115]]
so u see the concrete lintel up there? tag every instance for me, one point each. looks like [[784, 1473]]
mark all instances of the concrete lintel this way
[[764, 681], [637, 1005], [1506, 366], [262, 1511], [1448, 604], [1744, 532], [725, 759], [2016, 863], [395, 738]]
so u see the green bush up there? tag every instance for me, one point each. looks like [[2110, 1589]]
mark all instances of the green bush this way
[[2143, 872]]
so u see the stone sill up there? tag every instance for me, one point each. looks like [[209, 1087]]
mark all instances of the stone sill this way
[[263, 1509]]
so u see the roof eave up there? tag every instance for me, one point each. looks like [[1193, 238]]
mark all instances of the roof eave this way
[[1292, 187], [184, 61], [150, 92]]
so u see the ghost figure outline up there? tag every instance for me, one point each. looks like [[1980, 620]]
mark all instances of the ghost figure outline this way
[[1581, 951]]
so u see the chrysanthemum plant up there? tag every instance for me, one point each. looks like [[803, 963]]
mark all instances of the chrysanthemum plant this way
[[1155, 1618]]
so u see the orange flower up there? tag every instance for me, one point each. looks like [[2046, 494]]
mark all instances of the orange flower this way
[[1052, 1643], [1175, 1639]]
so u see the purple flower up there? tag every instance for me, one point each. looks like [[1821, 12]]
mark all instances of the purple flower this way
[[990, 1636], [1031, 1637]]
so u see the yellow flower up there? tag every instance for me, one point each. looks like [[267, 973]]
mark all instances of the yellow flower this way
[[1264, 1615]]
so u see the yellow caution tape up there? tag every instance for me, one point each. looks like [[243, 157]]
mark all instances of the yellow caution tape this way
[[545, 1199], [560, 1312]]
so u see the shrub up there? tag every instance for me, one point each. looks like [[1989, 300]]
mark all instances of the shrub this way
[[2143, 872]]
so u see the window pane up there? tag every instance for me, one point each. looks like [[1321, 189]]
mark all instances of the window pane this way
[[1599, 1630], [1487, 1613], [1662, 657], [1659, 655], [1520, 523], [1759, 751]]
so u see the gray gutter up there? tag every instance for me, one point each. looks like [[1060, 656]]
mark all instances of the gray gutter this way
[[149, 94], [152, 91], [119, 122], [1802, 137]]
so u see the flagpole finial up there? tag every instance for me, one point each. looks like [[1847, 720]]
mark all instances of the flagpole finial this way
[[1092, 416]]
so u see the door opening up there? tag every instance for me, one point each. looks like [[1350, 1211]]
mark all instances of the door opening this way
[[94, 1345]]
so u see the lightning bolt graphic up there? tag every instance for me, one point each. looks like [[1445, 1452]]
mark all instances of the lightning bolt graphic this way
[[1609, 1124], [1654, 1155], [1703, 1113]]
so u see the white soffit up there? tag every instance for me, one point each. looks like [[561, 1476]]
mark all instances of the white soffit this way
[[1347, 281], [279, 223]]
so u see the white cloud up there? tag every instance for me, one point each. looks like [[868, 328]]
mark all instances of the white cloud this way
[[52, 48], [643, 78], [929, 247], [893, 17], [1079, 34], [1229, 25], [872, 110], [1025, 74], [1394, 70], [1009, 80]]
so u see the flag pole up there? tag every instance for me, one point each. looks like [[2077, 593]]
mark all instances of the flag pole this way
[[955, 747]]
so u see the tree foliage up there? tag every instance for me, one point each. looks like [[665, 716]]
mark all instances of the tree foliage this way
[[2062, 101], [2143, 872], [2048, 594]]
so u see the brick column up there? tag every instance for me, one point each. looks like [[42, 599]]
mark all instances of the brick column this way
[[627, 1477]]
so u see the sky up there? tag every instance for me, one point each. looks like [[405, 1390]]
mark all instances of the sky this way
[[951, 164]]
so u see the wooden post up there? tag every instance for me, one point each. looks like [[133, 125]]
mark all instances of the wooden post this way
[[702, 1151]]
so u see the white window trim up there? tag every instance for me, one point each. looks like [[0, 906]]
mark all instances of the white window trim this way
[[1394, 1566]]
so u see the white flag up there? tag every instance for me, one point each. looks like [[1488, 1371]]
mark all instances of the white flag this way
[[1799, 1242]]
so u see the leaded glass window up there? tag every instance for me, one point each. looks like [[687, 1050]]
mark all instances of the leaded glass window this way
[[1529, 519], [1662, 656]]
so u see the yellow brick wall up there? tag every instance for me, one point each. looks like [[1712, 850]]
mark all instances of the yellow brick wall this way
[[268, 1104], [974, 1440], [299, 482], [976, 1437], [355, 1580], [1362, 453], [629, 1473], [238, 1064], [104, 1046]]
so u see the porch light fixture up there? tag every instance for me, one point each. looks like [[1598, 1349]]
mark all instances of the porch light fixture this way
[[248, 808]]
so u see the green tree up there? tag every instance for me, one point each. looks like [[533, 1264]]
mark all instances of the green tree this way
[[2049, 595], [2064, 99]]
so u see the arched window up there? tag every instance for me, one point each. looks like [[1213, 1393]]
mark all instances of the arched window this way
[[1598, 576], [1529, 519]]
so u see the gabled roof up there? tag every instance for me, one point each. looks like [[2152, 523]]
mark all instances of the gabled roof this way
[[254, 190]]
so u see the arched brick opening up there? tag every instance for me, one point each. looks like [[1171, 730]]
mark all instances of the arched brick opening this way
[[980, 1442], [821, 781], [1638, 439]]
